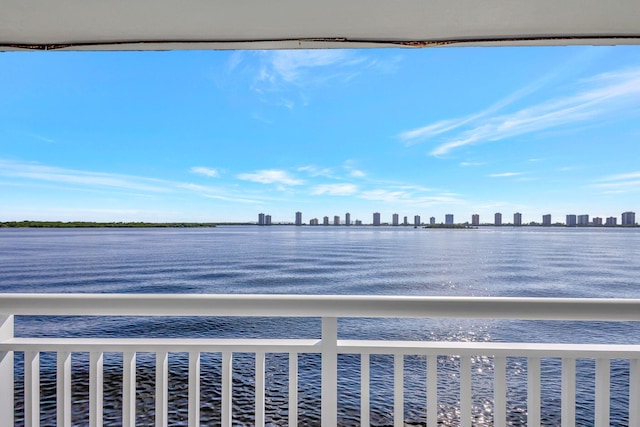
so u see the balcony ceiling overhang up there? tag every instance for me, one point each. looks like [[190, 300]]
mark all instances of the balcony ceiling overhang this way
[[271, 24]]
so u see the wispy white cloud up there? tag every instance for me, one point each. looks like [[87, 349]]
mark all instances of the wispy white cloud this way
[[201, 170], [270, 176], [356, 173], [622, 176], [335, 189], [91, 181], [505, 174], [313, 170], [35, 171], [619, 183], [604, 95], [423, 133], [287, 78], [467, 164], [412, 198], [291, 65]]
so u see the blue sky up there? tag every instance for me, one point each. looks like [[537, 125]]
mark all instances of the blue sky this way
[[222, 136]]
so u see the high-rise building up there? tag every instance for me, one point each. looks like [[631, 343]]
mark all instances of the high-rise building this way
[[571, 220], [260, 219], [267, 220], [546, 219], [358, 222], [406, 221], [298, 218], [336, 220], [583, 220], [347, 219], [597, 221], [475, 219], [395, 219], [325, 220], [497, 218], [611, 221], [448, 219], [432, 220], [416, 220], [313, 221], [376, 218], [517, 218], [628, 218]]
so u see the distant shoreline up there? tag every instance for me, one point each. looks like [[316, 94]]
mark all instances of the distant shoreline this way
[[141, 224], [87, 224]]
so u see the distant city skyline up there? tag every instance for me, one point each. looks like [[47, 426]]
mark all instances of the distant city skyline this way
[[626, 218], [217, 136]]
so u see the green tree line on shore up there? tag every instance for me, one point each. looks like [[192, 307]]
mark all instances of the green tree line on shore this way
[[86, 224]]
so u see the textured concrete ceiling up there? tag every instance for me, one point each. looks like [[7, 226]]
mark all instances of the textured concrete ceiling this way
[[266, 24]]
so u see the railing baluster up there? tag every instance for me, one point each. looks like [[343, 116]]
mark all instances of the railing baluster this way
[[194, 389], [603, 386], [329, 371], [568, 401], [466, 413], [365, 375], [533, 391], [96, 380], [432, 391], [31, 388], [293, 389], [63, 389], [6, 372], [499, 391], [634, 393], [259, 391], [129, 389], [398, 390], [227, 389], [162, 388]]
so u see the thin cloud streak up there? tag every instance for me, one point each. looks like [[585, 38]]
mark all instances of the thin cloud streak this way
[[505, 174], [270, 176], [335, 189], [605, 94], [619, 183], [40, 172], [100, 180], [418, 135], [622, 176], [200, 170]]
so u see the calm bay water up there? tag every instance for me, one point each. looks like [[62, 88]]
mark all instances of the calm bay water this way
[[523, 262]]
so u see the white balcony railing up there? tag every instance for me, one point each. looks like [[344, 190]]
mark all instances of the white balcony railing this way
[[329, 309]]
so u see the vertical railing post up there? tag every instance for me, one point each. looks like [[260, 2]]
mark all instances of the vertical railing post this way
[[162, 388], [533, 391], [6, 373], [634, 392], [329, 371], [398, 390], [194, 389], [432, 391], [32, 389], [500, 391], [259, 390], [568, 402], [63, 389], [603, 392], [96, 388], [293, 389], [129, 389], [227, 389]]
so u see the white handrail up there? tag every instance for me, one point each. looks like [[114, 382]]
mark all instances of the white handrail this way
[[597, 309], [329, 346]]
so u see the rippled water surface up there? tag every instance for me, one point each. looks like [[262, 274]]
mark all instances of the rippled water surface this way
[[524, 262]]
